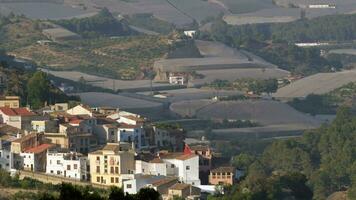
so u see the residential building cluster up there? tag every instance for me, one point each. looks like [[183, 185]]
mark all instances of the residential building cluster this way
[[105, 146]]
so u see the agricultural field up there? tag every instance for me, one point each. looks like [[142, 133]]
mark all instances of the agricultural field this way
[[37, 10], [193, 94], [274, 14], [120, 101], [246, 6], [19, 33], [234, 74], [343, 51], [217, 56], [105, 82], [320, 83], [122, 58], [261, 111]]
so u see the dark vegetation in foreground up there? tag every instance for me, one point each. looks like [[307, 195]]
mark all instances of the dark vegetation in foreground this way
[[314, 166], [41, 191], [327, 103]]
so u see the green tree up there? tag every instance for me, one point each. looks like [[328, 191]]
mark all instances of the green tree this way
[[38, 89]]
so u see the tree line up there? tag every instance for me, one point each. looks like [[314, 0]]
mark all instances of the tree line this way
[[321, 162], [34, 87], [276, 42], [101, 24]]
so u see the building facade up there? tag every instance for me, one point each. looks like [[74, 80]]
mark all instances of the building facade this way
[[67, 164], [112, 165]]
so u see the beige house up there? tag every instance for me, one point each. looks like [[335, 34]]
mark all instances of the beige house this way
[[112, 165], [185, 191], [10, 101], [80, 110], [222, 176], [60, 107], [17, 117]]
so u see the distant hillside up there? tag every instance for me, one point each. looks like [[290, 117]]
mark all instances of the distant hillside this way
[[102, 24], [326, 28]]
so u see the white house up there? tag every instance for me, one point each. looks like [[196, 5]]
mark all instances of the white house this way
[[190, 33], [183, 166], [67, 164], [152, 167], [132, 133], [34, 159], [142, 181]]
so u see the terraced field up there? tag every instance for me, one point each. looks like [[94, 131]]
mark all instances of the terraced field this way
[[274, 14], [316, 84], [261, 111], [104, 82], [234, 74], [120, 101], [217, 56]]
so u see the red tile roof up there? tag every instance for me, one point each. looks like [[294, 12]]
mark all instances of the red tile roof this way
[[75, 121], [39, 149], [16, 111]]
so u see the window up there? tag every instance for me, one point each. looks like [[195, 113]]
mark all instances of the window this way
[[98, 158], [68, 167], [129, 186], [51, 171], [98, 179], [112, 179], [97, 169], [7, 156], [58, 172], [112, 170], [172, 165], [58, 162], [116, 180], [75, 166], [116, 170], [187, 167]]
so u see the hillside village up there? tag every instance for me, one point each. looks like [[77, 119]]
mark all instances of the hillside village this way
[[106, 147]]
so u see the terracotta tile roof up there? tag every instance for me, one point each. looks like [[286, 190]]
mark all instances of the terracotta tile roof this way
[[224, 169], [199, 147], [26, 137], [156, 160], [110, 125], [16, 111], [178, 156], [137, 119], [123, 125], [164, 181], [75, 121], [7, 129], [39, 149], [179, 186], [9, 98]]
